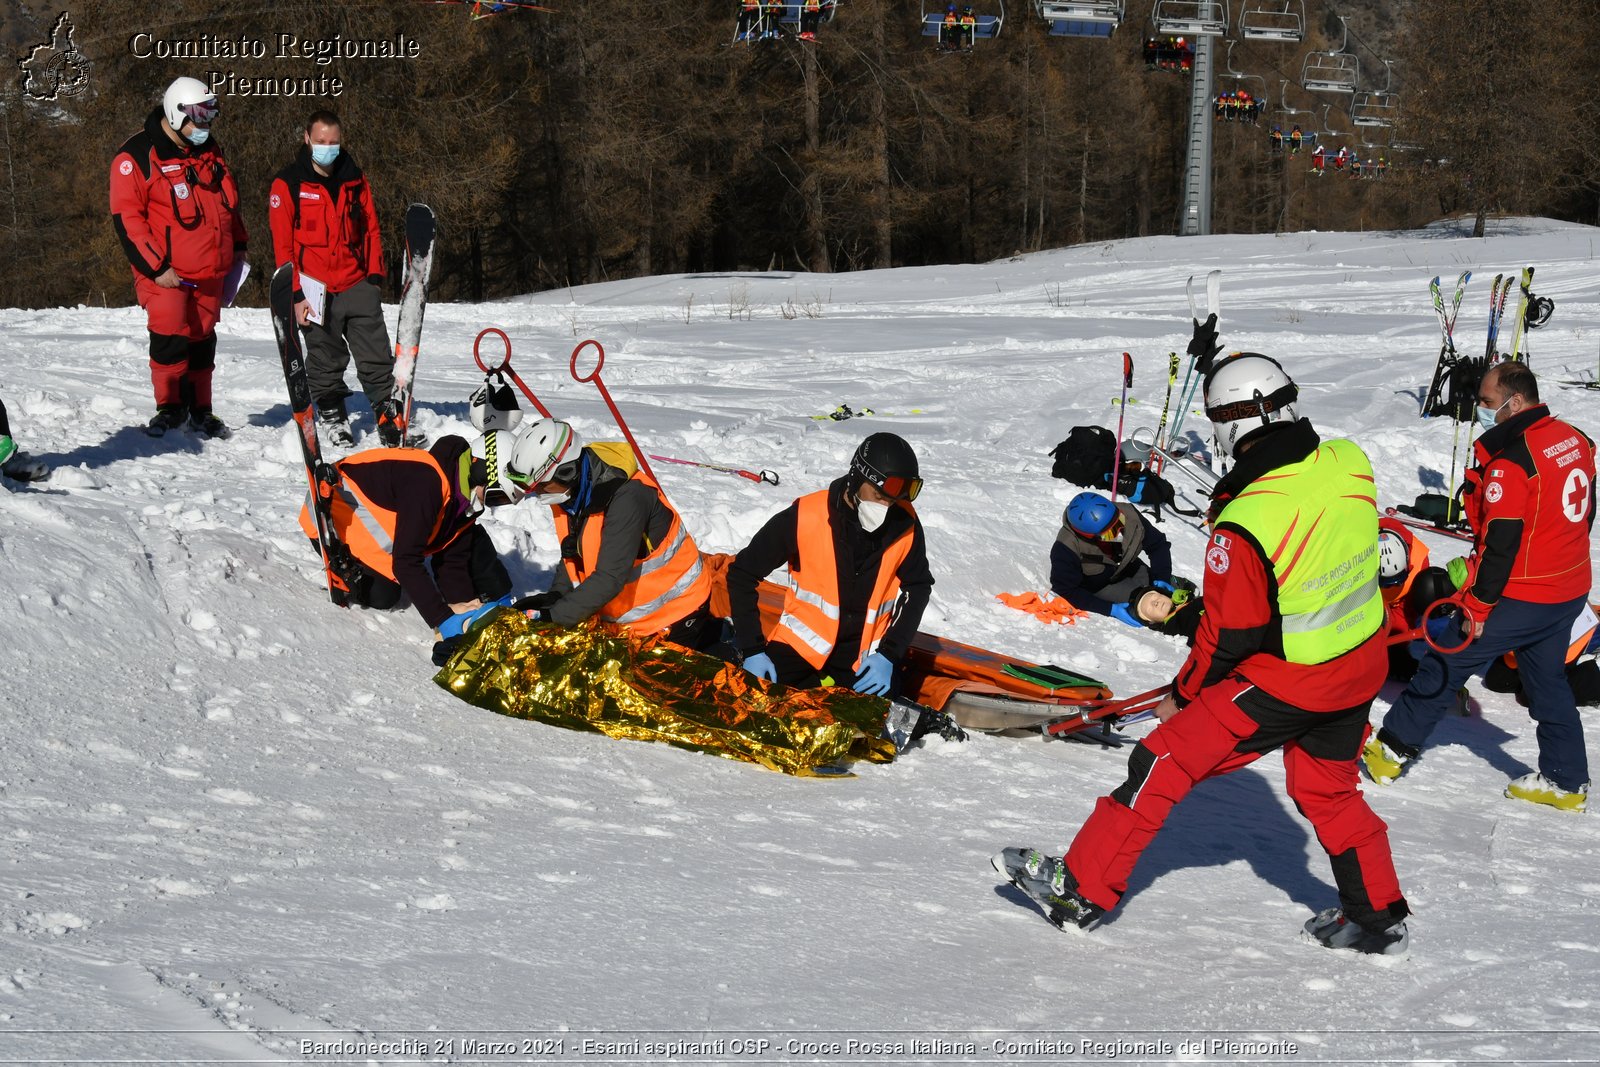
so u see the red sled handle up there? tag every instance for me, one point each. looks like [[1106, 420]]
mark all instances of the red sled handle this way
[[504, 366], [1113, 709], [1469, 623]]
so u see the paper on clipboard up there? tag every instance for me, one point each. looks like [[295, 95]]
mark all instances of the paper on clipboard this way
[[234, 281], [316, 296]]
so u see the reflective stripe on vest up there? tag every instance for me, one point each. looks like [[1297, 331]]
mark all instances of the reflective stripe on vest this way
[[667, 585], [1317, 520], [366, 528], [811, 609]]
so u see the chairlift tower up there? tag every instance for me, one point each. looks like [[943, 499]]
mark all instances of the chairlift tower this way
[[1205, 22]]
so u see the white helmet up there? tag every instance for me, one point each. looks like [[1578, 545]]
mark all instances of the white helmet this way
[[1245, 392], [543, 447], [494, 407], [188, 100], [1394, 558], [504, 485]]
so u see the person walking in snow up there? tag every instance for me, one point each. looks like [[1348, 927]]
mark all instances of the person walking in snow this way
[[858, 577], [626, 556], [1289, 654], [15, 463], [409, 520], [323, 220], [1095, 562], [175, 209], [1530, 502]]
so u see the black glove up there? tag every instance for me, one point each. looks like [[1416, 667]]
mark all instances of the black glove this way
[[540, 602], [1203, 345], [443, 650]]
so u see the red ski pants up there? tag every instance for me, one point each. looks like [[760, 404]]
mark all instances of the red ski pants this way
[[183, 339], [1231, 725]]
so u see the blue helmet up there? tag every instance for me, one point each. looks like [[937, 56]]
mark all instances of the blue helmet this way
[[1090, 514]]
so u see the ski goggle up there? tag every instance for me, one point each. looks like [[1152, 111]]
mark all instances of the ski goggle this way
[[894, 486], [1112, 532], [563, 473], [202, 113]]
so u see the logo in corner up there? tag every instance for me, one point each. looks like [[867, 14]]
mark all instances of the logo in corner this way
[[56, 68]]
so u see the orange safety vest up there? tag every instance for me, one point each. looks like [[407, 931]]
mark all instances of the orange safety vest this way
[[365, 528], [810, 620], [665, 586]]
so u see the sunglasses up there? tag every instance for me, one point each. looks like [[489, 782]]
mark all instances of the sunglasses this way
[[894, 486]]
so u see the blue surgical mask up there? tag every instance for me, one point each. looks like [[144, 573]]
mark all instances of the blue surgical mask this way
[[1486, 415], [197, 136], [323, 155]]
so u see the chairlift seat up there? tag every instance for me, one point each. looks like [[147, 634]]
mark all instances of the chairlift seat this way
[[1105, 11], [1272, 20], [1191, 18]]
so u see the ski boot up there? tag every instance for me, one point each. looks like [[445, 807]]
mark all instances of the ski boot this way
[[202, 420], [168, 417], [908, 722], [1047, 882], [334, 421], [1331, 929], [1384, 758], [1537, 789], [17, 464], [388, 415]]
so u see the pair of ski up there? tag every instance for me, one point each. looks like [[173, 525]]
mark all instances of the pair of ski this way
[[1202, 349], [337, 561]]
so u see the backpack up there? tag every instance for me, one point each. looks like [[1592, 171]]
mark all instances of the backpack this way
[[1085, 458]]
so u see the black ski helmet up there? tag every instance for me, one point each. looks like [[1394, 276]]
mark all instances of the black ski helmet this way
[[886, 460]]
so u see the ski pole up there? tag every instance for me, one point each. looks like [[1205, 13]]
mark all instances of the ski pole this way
[[605, 394], [1116, 457], [769, 477], [504, 366]]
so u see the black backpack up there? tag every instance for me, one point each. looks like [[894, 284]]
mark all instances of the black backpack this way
[[1085, 457]]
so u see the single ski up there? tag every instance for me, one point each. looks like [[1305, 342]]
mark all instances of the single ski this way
[[1409, 518], [413, 301], [321, 477], [1202, 348], [1517, 327], [845, 411]]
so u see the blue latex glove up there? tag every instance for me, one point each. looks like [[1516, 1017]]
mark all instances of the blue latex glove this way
[[1165, 587], [761, 666], [1122, 613], [876, 675], [461, 622]]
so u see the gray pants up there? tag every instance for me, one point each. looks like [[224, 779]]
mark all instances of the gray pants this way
[[1120, 590], [352, 324]]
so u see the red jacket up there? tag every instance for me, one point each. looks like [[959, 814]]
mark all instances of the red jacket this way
[[175, 206], [1530, 501], [327, 227]]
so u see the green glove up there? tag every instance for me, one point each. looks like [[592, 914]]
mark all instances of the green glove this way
[[1457, 569]]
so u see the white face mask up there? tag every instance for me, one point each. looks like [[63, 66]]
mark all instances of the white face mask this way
[[871, 515], [554, 499], [197, 136]]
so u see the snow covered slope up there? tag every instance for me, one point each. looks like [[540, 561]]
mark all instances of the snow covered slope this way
[[233, 817]]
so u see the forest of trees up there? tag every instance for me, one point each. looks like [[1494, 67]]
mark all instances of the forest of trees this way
[[610, 139]]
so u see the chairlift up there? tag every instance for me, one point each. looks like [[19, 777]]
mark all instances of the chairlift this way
[[1377, 107], [768, 19], [1191, 18], [984, 27], [1259, 98], [1282, 21], [1283, 97], [1332, 72], [1081, 18]]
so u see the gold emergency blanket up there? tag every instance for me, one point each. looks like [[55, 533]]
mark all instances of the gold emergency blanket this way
[[604, 679]]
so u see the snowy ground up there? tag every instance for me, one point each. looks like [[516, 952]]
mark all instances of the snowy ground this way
[[234, 818]]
